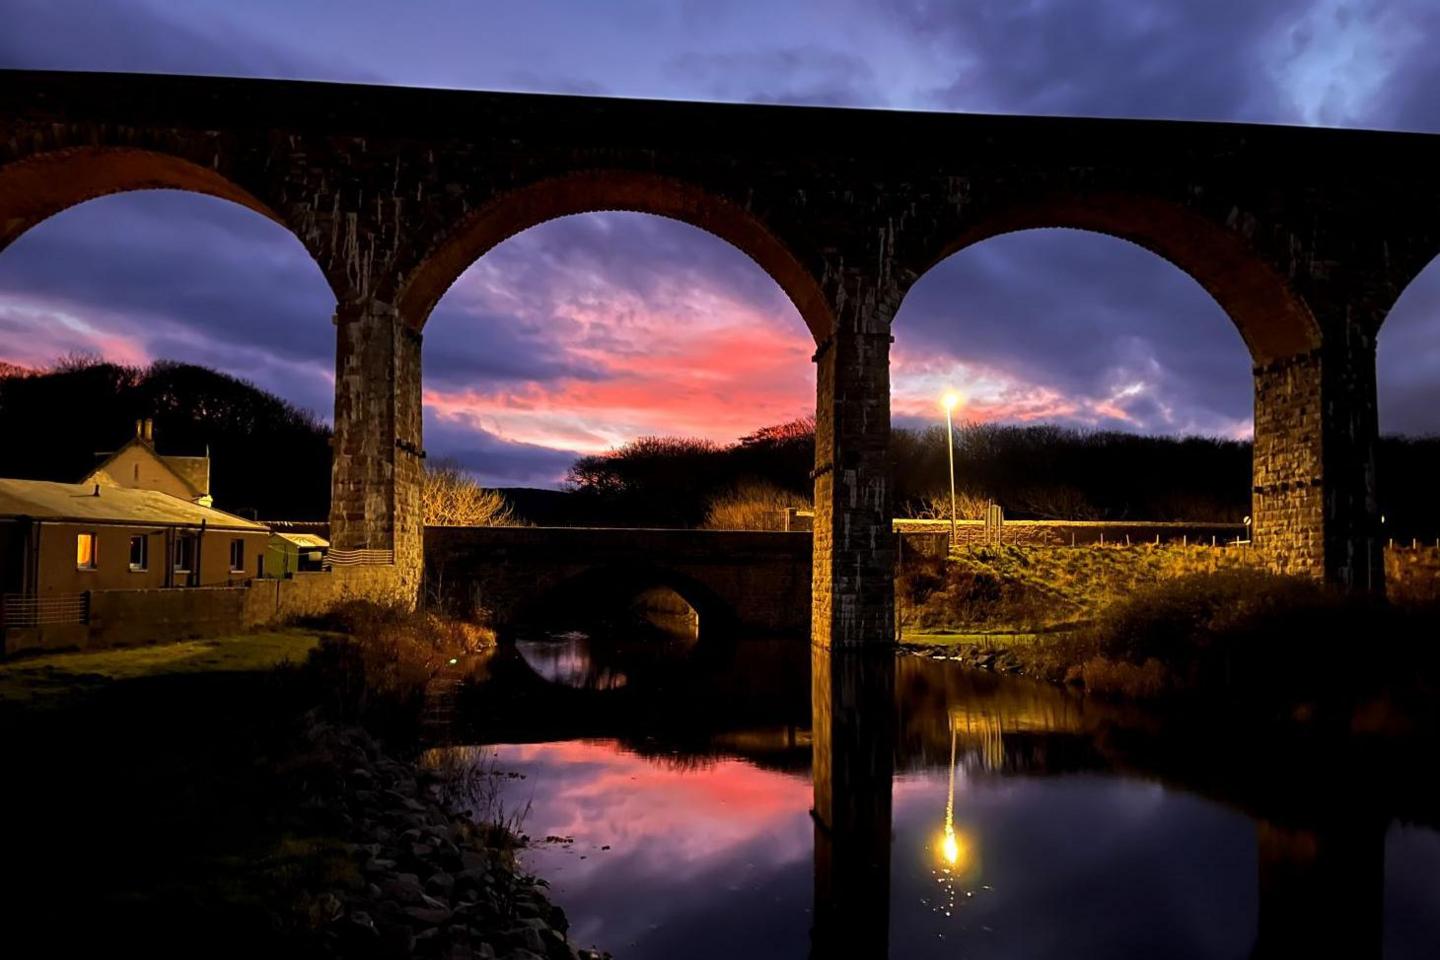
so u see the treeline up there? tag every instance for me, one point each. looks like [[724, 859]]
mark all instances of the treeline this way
[[1033, 472], [272, 459], [268, 457]]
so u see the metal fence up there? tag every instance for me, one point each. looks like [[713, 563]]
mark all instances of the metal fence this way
[[19, 610], [358, 558]]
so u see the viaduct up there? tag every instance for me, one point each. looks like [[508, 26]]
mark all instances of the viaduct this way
[[1305, 237]]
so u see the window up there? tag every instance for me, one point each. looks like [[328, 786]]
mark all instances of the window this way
[[86, 552], [237, 555], [139, 553], [184, 553]]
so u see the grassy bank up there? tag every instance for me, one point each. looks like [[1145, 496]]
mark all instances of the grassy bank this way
[[1153, 622], [224, 798], [52, 680], [1031, 589]]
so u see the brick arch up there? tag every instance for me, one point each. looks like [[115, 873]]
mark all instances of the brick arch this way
[[1273, 319], [594, 191], [42, 185]]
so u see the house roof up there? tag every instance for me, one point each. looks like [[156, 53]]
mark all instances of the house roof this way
[[44, 500], [305, 540], [193, 472]]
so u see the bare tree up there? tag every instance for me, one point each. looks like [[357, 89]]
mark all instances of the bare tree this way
[[450, 497]]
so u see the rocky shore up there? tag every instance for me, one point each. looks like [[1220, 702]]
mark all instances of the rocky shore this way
[[423, 879]]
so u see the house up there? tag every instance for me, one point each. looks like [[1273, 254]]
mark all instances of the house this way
[[66, 547], [290, 552], [139, 466]]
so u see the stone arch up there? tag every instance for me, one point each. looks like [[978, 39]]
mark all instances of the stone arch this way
[[39, 186], [594, 191], [1273, 319], [615, 586], [1290, 472]]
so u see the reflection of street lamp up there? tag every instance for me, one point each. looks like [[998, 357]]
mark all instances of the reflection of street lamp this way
[[955, 848], [949, 846], [950, 401]]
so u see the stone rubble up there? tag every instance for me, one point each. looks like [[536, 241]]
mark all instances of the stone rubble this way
[[428, 884]]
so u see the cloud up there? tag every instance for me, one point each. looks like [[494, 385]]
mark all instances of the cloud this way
[[137, 36], [809, 74], [590, 330]]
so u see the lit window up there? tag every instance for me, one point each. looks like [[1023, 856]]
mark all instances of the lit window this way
[[237, 555], [184, 553], [86, 552], [139, 553]]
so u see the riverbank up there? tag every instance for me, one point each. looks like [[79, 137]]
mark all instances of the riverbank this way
[[218, 799], [1175, 623], [1009, 589]]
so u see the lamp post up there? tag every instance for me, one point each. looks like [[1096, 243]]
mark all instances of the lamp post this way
[[950, 400]]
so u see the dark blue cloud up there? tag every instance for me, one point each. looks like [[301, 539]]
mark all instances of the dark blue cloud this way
[[204, 281]]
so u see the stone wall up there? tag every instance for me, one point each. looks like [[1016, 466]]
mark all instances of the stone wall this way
[[756, 581], [1412, 574], [124, 617]]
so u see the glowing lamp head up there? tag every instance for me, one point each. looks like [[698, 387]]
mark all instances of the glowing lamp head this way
[[950, 401]]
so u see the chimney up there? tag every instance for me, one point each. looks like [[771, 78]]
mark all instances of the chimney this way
[[139, 429], [149, 430]]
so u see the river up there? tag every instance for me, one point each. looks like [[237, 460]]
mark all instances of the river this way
[[760, 801]]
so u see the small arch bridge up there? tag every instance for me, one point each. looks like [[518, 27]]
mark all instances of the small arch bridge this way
[[734, 580]]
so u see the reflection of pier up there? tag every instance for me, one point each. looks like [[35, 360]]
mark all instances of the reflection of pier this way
[[1321, 801], [1321, 891], [853, 709]]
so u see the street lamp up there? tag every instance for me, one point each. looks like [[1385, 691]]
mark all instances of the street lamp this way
[[950, 401]]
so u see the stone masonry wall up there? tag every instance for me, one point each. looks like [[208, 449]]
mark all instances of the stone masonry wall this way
[[1288, 481]]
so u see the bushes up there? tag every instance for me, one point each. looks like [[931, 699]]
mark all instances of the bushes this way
[[752, 506], [377, 666], [1231, 631]]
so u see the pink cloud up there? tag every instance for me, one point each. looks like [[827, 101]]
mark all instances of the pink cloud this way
[[37, 332]]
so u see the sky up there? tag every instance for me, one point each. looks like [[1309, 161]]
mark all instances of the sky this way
[[588, 331]]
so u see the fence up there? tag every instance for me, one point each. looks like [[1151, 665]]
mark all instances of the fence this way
[[19, 610], [357, 558]]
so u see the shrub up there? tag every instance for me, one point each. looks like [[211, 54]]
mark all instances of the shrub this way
[[383, 656], [450, 497], [755, 505]]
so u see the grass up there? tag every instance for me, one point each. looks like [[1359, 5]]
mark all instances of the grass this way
[[1031, 589], [63, 675]]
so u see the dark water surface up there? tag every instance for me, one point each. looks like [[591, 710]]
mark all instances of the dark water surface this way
[[963, 816]]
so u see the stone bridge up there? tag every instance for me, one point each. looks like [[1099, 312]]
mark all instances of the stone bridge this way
[[734, 580], [1306, 238]]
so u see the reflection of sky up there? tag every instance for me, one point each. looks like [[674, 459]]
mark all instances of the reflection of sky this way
[[1080, 866], [687, 844], [1412, 893], [714, 860]]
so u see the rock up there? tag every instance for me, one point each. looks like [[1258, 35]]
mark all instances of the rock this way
[[404, 887], [525, 936], [430, 916], [439, 883], [379, 865]]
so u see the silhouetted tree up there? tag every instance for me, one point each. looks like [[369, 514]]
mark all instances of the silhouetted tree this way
[[268, 457]]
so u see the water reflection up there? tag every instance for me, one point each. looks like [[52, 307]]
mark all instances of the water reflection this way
[[931, 812], [567, 659]]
